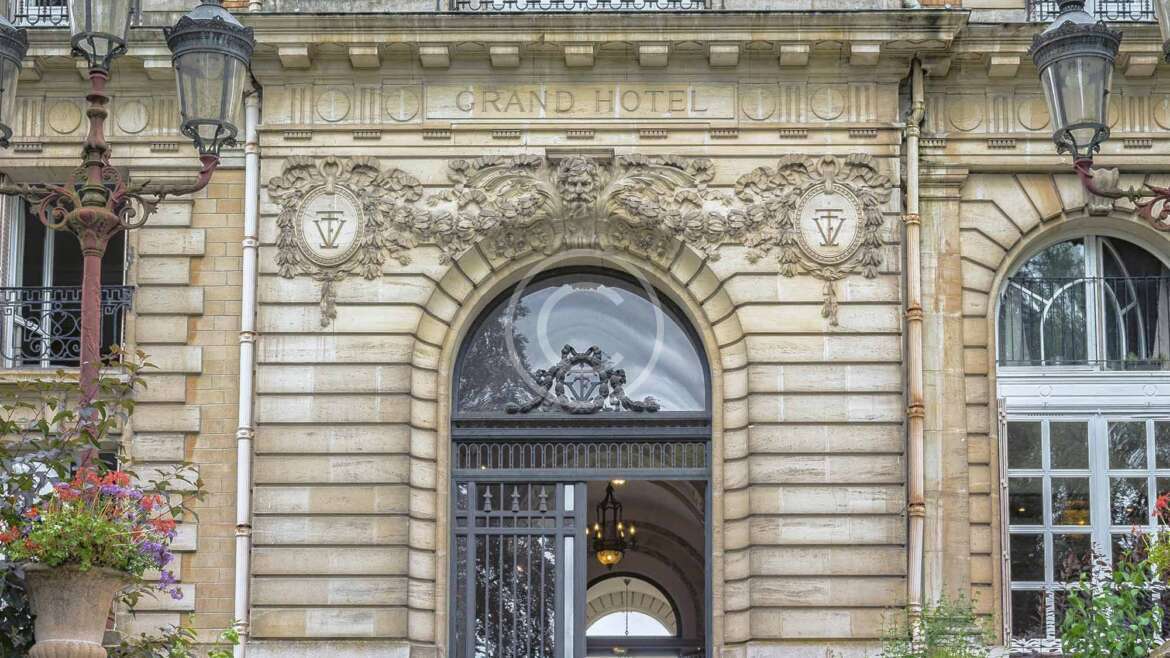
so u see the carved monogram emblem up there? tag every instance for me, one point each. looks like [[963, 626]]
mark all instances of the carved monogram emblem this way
[[582, 383], [335, 218], [822, 215], [818, 216]]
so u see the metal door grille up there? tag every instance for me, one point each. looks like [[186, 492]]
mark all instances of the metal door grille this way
[[518, 567], [604, 456]]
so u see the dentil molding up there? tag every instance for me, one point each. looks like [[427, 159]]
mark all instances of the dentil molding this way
[[819, 216]]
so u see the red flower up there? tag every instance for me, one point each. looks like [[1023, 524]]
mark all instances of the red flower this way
[[1161, 506], [30, 545], [149, 502], [10, 535], [32, 513], [164, 526], [119, 478], [66, 492]]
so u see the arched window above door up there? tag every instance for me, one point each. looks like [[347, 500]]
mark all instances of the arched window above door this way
[[581, 342], [1090, 301]]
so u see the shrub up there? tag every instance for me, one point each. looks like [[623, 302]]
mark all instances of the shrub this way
[[948, 629], [1112, 611]]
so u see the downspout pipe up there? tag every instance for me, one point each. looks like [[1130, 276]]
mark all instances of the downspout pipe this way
[[916, 410], [246, 430]]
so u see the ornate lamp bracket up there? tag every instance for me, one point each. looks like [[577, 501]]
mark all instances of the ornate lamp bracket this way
[[1152, 202]]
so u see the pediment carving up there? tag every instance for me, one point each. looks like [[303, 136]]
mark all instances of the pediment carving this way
[[816, 216]]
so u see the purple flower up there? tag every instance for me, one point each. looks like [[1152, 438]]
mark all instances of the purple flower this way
[[157, 552]]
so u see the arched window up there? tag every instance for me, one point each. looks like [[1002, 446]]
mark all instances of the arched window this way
[[568, 386], [627, 606], [1098, 301], [1084, 385]]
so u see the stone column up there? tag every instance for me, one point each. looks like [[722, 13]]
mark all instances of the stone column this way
[[947, 546]]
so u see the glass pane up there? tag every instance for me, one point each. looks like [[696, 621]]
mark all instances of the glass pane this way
[[1059, 605], [1071, 555], [1128, 546], [1070, 445], [460, 597], [1023, 445], [1064, 260], [1162, 446], [1070, 501], [642, 337], [1027, 557], [1135, 306], [1025, 501], [1028, 614], [1127, 445], [1128, 501], [1042, 314]]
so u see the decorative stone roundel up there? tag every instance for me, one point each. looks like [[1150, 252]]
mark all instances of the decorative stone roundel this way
[[330, 224], [829, 224]]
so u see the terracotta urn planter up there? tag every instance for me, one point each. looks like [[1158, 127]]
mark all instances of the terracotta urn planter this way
[[71, 609]]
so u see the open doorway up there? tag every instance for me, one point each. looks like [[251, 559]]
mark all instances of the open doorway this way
[[652, 602]]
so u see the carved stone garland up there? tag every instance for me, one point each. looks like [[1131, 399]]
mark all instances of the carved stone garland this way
[[820, 216]]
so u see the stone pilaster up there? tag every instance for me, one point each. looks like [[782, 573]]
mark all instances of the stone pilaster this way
[[948, 542]]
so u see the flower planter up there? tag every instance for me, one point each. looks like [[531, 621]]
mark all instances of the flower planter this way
[[71, 609], [1162, 651]]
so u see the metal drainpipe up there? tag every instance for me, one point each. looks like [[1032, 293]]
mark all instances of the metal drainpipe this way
[[916, 411], [246, 430]]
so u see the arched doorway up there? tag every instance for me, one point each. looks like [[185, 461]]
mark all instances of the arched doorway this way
[[576, 385]]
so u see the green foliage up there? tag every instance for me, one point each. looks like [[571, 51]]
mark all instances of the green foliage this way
[[949, 629], [1111, 612], [171, 642], [44, 436]]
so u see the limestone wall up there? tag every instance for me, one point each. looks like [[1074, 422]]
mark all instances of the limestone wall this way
[[186, 318]]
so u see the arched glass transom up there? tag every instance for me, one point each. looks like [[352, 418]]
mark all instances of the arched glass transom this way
[[1098, 301], [581, 343]]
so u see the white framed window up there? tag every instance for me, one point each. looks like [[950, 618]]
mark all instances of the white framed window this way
[[1075, 484], [1083, 382]]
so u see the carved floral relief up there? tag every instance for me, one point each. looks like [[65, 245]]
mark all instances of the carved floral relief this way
[[816, 216]]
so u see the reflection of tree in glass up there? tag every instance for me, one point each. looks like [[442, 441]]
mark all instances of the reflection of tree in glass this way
[[489, 377], [1127, 445], [515, 592]]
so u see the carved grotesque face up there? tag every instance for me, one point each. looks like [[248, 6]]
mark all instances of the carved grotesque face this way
[[577, 179]]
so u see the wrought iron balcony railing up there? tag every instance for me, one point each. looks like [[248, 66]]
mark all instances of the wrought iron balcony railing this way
[[41, 327], [1128, 11], [576, 5], [1116, 323], [54, 13], [40, 13]]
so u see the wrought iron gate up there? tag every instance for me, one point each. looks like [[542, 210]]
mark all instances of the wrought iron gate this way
[[519, 565]]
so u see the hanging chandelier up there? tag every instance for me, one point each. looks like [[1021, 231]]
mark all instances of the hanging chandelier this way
[[612, 536]]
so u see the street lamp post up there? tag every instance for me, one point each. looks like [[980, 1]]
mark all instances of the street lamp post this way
[[211, 54], [1075, 57]]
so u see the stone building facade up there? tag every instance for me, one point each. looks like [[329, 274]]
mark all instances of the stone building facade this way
[[754, 163]]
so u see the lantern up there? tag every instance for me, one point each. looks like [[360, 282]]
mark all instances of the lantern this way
[[211, 54], [13, 46], [1075, 58], [612, 536], [100, 28]]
